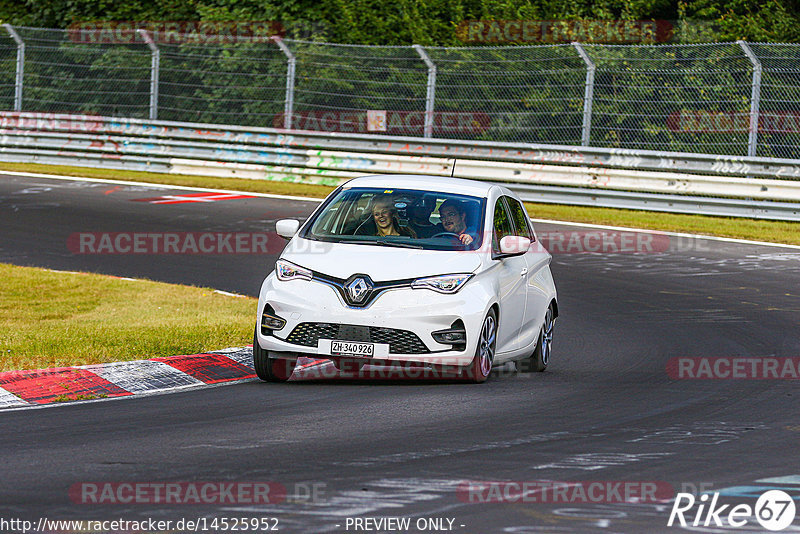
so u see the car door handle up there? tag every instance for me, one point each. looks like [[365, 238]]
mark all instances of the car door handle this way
[[523, 272]]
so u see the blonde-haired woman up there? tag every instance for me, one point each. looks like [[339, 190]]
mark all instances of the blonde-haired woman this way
[[385, 217]]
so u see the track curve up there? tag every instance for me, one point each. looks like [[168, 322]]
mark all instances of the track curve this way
[[606, 410]]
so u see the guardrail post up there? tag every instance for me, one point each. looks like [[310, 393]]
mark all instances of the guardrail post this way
[[588, 94], [755, 98], [430, 94], [20, 66], [155, 62], [291, 62]]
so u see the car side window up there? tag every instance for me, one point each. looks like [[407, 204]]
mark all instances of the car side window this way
[[502, 225], [520, 217]]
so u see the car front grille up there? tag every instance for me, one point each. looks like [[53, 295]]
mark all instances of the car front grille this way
[[399, 341]]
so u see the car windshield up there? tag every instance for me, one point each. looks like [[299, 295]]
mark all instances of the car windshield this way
[[410, 218]]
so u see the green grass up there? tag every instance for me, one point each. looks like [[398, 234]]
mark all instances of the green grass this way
[[758, 230], [55, 319]]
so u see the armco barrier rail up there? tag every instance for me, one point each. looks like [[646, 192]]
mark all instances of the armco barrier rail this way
[[659, 181]]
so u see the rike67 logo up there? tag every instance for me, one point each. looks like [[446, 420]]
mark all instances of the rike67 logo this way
[[774, 511]]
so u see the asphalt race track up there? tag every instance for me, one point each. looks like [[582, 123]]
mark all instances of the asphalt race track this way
[[606, 411]]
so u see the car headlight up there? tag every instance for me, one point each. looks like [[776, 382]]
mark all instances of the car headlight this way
[[286, 270], [448, 283]]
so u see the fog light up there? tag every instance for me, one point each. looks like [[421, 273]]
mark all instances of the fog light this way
[[451, 336], [271, 321]]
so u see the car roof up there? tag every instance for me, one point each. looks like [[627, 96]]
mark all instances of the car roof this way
[[441, 184]]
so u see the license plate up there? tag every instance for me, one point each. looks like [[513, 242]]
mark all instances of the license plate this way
[[352, 348]]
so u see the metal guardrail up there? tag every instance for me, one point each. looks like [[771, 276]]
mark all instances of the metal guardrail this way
[[692, 205], [723, 165], [658, 181]]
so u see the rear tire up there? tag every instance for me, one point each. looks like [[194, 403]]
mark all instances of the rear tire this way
[[270, 369], [481, 367]]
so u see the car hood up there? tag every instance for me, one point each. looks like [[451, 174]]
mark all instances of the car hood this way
[[381, 263]]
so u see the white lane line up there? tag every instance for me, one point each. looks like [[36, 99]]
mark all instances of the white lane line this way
[[154, 185], [221, 292], [98, 274], [318, 200], [227, 351], [228, 294]]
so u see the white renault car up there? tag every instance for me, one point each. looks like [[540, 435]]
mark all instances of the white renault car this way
[[411, 271]]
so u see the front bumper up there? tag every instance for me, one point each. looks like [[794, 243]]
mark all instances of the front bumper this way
[[417, 311]]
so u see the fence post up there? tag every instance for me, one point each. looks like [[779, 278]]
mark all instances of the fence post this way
[[155, 63], [20, 66], [755, 99], [291, 61], [588, 94], [430, 95]]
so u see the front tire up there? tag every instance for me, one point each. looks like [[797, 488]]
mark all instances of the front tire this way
[[540, 358], [481, 366], [270, 369]]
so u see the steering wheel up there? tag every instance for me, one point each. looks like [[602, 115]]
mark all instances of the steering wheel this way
[[451, 235]]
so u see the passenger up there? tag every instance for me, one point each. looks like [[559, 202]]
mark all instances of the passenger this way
[[420, 217], [385, 217], [454, 220]]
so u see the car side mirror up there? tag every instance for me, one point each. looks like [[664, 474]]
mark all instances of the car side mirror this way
[[286, 228], [514, 245]]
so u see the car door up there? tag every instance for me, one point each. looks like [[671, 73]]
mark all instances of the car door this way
[[511, 276], [537, 260]]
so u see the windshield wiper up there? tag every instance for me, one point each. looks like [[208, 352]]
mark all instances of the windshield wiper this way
[[395, 244], [351, 241], [374, 242]]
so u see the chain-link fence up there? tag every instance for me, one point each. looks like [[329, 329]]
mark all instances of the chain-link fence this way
[[691, 98]]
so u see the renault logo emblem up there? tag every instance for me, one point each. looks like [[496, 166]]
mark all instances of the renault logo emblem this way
[[358, 289]]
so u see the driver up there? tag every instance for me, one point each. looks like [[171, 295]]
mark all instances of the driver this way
[[454, 220]]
